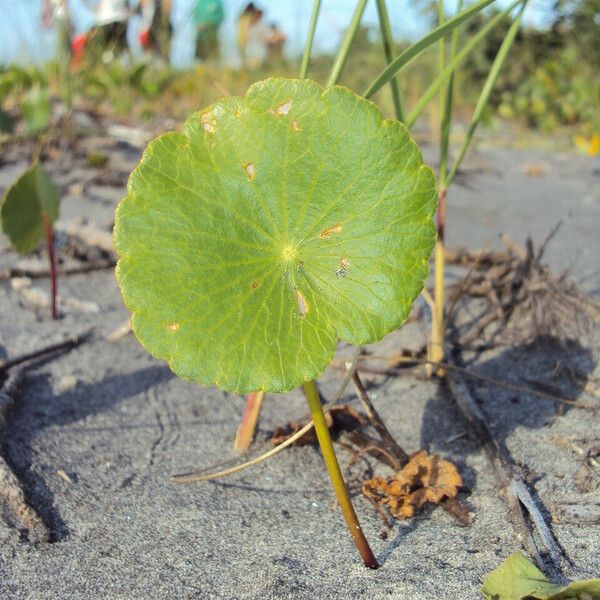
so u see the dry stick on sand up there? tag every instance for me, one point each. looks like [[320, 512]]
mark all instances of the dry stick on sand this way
[[412, 362], [39, 274], [71, 342], [387, 438], [10, 489], [517, 494]]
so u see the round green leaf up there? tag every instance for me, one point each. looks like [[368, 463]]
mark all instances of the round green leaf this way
[[26, 203], [278, 223]]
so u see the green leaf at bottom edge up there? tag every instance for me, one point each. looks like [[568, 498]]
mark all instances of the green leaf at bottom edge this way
[[518, 579]]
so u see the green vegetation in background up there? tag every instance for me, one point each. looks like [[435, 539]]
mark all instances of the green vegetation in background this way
[[553, 80]]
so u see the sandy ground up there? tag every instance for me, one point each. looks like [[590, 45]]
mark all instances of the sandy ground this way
[[118, 424]]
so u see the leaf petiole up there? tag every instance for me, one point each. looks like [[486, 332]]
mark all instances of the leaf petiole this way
[[335, 474], [247, 428], [51, 257]]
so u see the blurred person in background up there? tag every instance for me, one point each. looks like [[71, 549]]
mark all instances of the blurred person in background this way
[[254, 37], [208, 16], [55, 13], [244, 21], [109, 34], [275, 43], [161, 28], [147, 10]]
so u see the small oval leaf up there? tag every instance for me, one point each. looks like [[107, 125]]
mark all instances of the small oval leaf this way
[[25, 205]]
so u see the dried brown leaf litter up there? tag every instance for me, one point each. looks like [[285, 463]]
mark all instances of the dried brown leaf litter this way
[[425, 478]]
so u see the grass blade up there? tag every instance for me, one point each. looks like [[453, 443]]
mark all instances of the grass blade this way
[[310, 38], [388, 50], [487, 89], [450, 68], [446, 101], [413, 51], [342, 55]]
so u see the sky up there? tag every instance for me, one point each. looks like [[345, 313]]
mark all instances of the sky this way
[[24, 40]]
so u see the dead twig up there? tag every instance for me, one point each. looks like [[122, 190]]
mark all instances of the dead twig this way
[[67, 344], [524, 298], [389, 371], [387, 438], [518, 496], [38, 274], [11, 491], [120, 332]]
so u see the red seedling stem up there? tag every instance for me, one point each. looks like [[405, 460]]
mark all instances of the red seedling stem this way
[[246, 430], [50, 242], [441, 214]]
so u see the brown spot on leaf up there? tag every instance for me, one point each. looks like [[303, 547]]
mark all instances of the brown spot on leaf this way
[[173, 326], [250, 169], [343, 270], [282, 109], [209, 122], [425, 478], [326, 233], [302, 304], [295, 126], [254, 285]]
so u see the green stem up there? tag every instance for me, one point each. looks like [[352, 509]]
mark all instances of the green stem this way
[[342, 55], [335, 474], [310, 38], [446, 101], [388, 50], [441, 56], [487, 90]]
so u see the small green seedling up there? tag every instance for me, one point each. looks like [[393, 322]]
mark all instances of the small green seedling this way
[[28, 212], [275, 225]]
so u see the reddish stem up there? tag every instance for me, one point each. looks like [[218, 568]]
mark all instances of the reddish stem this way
[[50, 243], [441, 214], [247, 428]]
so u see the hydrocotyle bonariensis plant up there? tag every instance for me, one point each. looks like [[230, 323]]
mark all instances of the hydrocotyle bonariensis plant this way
[[276, 224], [28, 212]]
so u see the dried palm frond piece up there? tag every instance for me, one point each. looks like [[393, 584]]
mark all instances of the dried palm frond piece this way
[[425, 478], [521, 298]]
